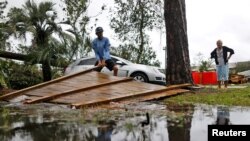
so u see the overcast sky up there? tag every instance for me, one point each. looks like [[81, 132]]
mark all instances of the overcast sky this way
[[207, 21]]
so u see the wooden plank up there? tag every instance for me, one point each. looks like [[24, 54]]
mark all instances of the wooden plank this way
[[49, 90], [88, 80], [153, 96], [143, 85], [99, 77], [71, 99], [52, 96], [131, 95], [94, 94], [16, 93], [134, 86], [104, 76], [86, 96], [65, 97], [110, 91], [77, 84], [70, 85], [36, 93], [162, 94]]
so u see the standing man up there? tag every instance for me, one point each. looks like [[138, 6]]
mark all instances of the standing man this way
[[220, 54], [101, 47]]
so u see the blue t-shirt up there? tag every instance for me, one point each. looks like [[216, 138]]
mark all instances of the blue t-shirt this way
[[101, 48]]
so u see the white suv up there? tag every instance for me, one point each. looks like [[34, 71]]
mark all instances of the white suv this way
[[126, 68]]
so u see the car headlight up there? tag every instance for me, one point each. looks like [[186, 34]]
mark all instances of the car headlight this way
[[162, 71], [155, 70]]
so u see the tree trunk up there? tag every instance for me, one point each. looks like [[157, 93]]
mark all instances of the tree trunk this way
[[178, 69], [47, 76], [46, 69], [141, 46], [26, 58], [16, 56]]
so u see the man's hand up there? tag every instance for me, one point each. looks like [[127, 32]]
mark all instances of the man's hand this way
[[103, 63], [99, 64]]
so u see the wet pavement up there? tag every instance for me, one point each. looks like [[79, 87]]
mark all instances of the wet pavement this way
[[45, 122]]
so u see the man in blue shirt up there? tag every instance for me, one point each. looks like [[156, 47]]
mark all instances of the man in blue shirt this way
[[101, 47]]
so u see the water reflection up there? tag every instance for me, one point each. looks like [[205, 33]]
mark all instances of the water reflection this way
[[179, 128], [223, 117], [105, 131], [187, 123]]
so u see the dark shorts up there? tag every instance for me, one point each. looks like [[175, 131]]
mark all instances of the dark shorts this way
[[109, 64]]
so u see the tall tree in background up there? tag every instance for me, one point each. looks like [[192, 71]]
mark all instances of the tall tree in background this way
[[130, 52], [3, 38], [4, 34], [3, 4], [40, 21], [178, 69], [77, 18], [130, 21]]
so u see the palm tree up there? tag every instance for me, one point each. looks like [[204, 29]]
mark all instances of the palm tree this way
[[5, 32], [40, 22], [3, 5]]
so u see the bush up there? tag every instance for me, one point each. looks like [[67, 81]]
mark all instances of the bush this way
[[19, 76]]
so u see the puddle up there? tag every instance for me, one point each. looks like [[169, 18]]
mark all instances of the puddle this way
[[47, 122]]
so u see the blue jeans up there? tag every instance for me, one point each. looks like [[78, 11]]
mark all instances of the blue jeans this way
[[222, 72]]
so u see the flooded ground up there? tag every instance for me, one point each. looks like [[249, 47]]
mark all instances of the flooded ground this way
[[45, 122]]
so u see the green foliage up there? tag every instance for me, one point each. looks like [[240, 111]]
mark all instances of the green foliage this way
[[202, 63], [204, 66], [3, 4], [2, 81], [4, 35], [130, 20], [77, 18], [18, 76], [213, 96], [129, 52], [130, 17], [3, 74], [39, 20], [30, 76]]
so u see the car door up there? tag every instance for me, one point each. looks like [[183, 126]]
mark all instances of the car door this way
[[85, 64]]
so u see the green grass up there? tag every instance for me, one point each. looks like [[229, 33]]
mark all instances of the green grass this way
[[214, 96]]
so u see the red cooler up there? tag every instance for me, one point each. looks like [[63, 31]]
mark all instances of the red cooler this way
[[209, 78], [196, 77]]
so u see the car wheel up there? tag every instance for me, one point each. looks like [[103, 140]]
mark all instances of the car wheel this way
[[141, 77]]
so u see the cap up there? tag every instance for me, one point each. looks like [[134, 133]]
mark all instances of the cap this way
[[98, 29]]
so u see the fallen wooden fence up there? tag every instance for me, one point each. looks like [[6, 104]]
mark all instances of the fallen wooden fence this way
[[88, 88]]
